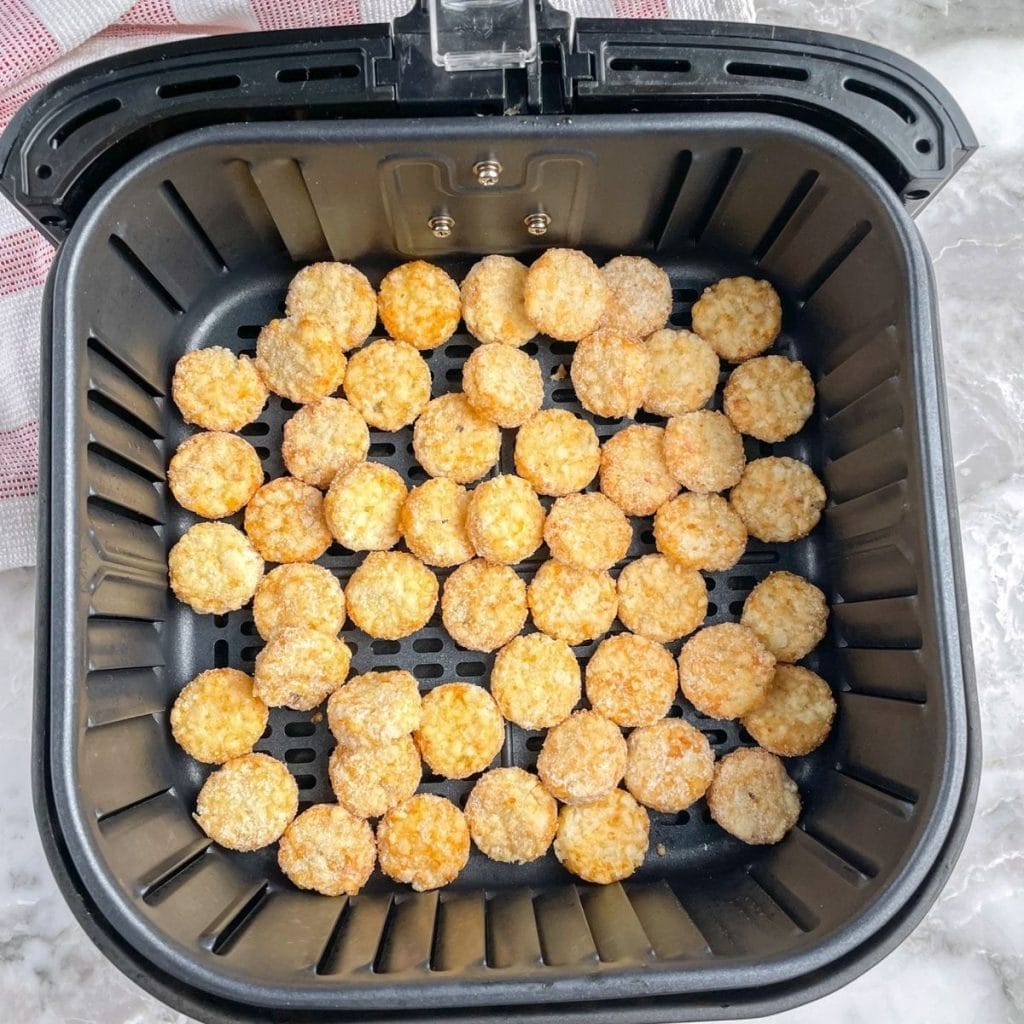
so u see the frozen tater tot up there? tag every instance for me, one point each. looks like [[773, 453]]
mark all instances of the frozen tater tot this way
[[300, 668], [298, 595], [511, 817], [214, 568], [704, 451], [217, 716], [752, 797], [725, 671], [323, 439], [391, 595], [796, 714], [611, 373], [339, 295], [451, 439], [778, 499], [503, 384], [670, 765], [285, 520], [557, 452], [536, 681], [565, 294], [300, 359], [700, 531], [631, 680], [419, 304], [423, 842], [389, 383], [572, 604], [493, 303], [633, 470], [639, 296], [684, 373], [739, 317], [328, 850], [769, 398], [505, 520], [369, 781], [661, 600], [788, 614], [363, 507], [433, 523], [373, 708], [582, 759], [483, 605], [588, 531], [604, 841], [461, 730], [214, 474], [217, 390]]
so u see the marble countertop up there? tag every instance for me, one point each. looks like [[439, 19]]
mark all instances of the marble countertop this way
[[965, 962]]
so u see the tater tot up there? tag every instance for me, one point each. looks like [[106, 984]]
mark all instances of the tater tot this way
[[433, 523], [389, 383], [557, 452], [752, 797], [298, 595], [631, 680], [217, 716], [778, 499], [369, 781], [328, 850], [611, 373], [536, 681], [633, 470], [214, 474], [483, 605], [604, 841], [376, 707], [684, 373], [670, 765], [453, 440], [214, 568], [724, 670], [323, 439], [739, 316], [285, 520], [301, 360], [700, 531], [704, 451], [337, 294], [461, 730], [493, 304], [588, 531], [788, 614], [661, 600], [796, 714], [639, 296], [511, 817], [769, 398], [363, 507], [503, 384], [217, 390], [565, 294], [391, 595], [572, 604], [419, 304], [505, 521], [582, 759], [300, 668], [423, 842]]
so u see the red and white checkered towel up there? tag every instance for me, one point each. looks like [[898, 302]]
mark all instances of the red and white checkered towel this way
[[41, 40]]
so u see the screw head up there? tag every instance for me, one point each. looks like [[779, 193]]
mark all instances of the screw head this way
[[537, 223], [487, 172], [441, 226]]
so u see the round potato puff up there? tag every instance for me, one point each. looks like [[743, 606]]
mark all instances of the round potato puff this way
[[483, 605], [633, 470], [323, 439], [376, 707], [363, 507], [796, 715], [661, 600], [684, 373], [536, 681], [217, 390], [298, 595], [611, 373], [214, 568], [788, 614], [505, 521], [639, 296], [300, 668], [572, 604], [582, 759], [565, 294], [424, 842], [493, 304], [433, 523], [461, 731], [503, 384], [391, 595], [769, 398], [700, 531], [588, 531], [301, 360], [604, 841], [724, 670], [285, 520], [739, 317], [328, 850], [369, 781], [419, 304], [511, 817], [388, 382], [703, 451], [752, 797], [631, 680], [217, 716], [453, 440], [214, 474], [557, 452], [778, 499], [670, 765], [337, 294]]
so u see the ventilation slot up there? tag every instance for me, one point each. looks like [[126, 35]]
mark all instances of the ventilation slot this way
[[716, 193], [320, 74], [735, 67], [119, 460], [104, 401], [785, 214], [788, 902], [170, 868], [131, 805], [121, 247], [188, 218], [858, 233], [172, 89], [659, 65], [889, 787], [97, 346], [228, 925], [872, 92], [66, 130]]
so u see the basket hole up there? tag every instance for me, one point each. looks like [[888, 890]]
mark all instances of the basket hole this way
[[427, 645], [735, 607], [300, 755], [661, 65], [923, 146], [712, 608], [563, 395], [562, 348], [454, 375], [458, 351], [531, 348], [674, 712], [716, 737], [305, 781], [220, 654], [647, 536], [172, 89], [917, 193], [735, 67], [709, 582], [385, 646], [471, 668], [741, 582], [268, 732], [745, 736], [249, 331], [705, 815], [682, 818], [299, 729], [886, 99], [430, 671], [220, 621], [317, 74], [379, 448], [534, 743], [289, 406], [44, 171], [417, 474], [256, 429]]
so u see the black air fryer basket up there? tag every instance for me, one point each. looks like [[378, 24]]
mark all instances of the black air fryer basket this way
[[185, 185]]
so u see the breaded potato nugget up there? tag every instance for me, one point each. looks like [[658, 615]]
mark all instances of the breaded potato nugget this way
[[582, 759], [461, 731], [505, 521], [302, 359], [536, 681], [661, 600], [423, 842], [724, 670], [565, 294], [633, 471], [503, 384], [214, 568], [433, 523], [323, 439], [611, 373], [389, 383], [639, 296], [453, 440], [752, 797], [391, 595], [298, 595], [703, 451], [700, 531], [419, 303], [739, 317], [588, 531], [376, 707], [214, 474], [247, 803], [572, 604], [631, 680], [300, 668], [363, 507], [512, 818], [217, 390], [217, 716], [604, 841], [779, 499], [670, 765], [788, 614], [493, 304], [369, 781], [769, 398], [337, 294], [796, 715], [483, 605], [684, 373], [329, 850], [557, 452], [285, 520]]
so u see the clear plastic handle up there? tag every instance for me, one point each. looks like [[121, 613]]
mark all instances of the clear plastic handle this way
[[474, 35]]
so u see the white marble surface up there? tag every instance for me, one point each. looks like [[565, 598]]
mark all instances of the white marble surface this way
[[965, 963]]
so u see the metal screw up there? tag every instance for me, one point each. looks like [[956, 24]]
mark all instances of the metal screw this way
[[441, 226], [487, 172], [537, 223]]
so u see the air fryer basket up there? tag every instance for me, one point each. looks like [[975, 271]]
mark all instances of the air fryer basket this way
[[191, 243]]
